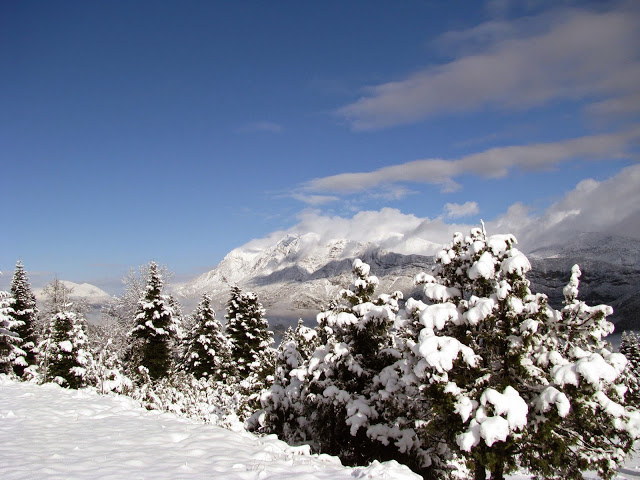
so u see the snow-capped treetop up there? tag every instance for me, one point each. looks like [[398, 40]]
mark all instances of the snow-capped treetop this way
[[491, 352], [207, 351], [10, 350]]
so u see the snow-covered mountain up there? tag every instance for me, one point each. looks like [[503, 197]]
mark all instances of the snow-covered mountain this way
[[610, 268], [85, 291], [94, 297], [299, 274]]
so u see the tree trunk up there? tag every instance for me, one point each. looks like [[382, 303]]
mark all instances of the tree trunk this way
[[480, 472], [498, 472]]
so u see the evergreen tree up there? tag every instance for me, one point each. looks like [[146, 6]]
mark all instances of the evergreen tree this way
[[65, 355], [630, 348], [249, 335], [336, 387], [10, 352], [25, 311], [282, 405], [588, 380], [505, 381], [207, 352], [155, 327]]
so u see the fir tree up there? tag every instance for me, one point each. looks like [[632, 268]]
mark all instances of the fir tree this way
[[10, 352], [249, 334], [505, 381], [155, 327], [588, 380], [66, 351], [207, 352], [25, 311], [65, 355], [336, 387], [630, 348], [282, 405]]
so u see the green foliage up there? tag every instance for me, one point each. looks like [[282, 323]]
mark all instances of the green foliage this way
[[26, 315], [249, 335], [65, 351], [207, 352], [155, 328], [10, 352]]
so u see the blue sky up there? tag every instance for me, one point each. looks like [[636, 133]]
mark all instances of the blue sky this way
[[177, 131]]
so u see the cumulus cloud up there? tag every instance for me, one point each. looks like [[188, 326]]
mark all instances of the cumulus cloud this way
[[457, 210], [612, 206], [491, 163], [512, 65]]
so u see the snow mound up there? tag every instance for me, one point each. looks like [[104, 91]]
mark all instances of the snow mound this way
[[78, 434]]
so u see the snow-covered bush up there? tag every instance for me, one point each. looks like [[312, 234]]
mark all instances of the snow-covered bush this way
[[204, 400], [107, 372]]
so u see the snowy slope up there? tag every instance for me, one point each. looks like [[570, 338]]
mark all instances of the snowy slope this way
[[47, 432], [53, 433]]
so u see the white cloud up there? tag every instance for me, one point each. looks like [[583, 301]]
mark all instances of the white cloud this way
[[612, 205], [492, 163], [559, 55], [625, 105], [314, 200], [268, 127], [456, 210]]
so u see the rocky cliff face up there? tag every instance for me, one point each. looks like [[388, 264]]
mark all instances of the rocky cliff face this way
[[610, 268]]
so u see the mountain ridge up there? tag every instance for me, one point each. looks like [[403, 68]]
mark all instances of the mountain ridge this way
[[296, 276]]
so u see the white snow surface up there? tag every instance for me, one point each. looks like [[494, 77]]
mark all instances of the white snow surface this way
[[54, 433]]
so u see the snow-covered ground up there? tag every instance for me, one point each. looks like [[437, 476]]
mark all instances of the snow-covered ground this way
[[49, 432]]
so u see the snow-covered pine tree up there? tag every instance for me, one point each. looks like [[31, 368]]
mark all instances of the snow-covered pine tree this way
[[249, 334], [281, 404], [65, 355], [630, 348], [155, 328], [506, 379], [25, 311], [10, 351], [119, 314], [337, 391], [207, 351], [595, 427]]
